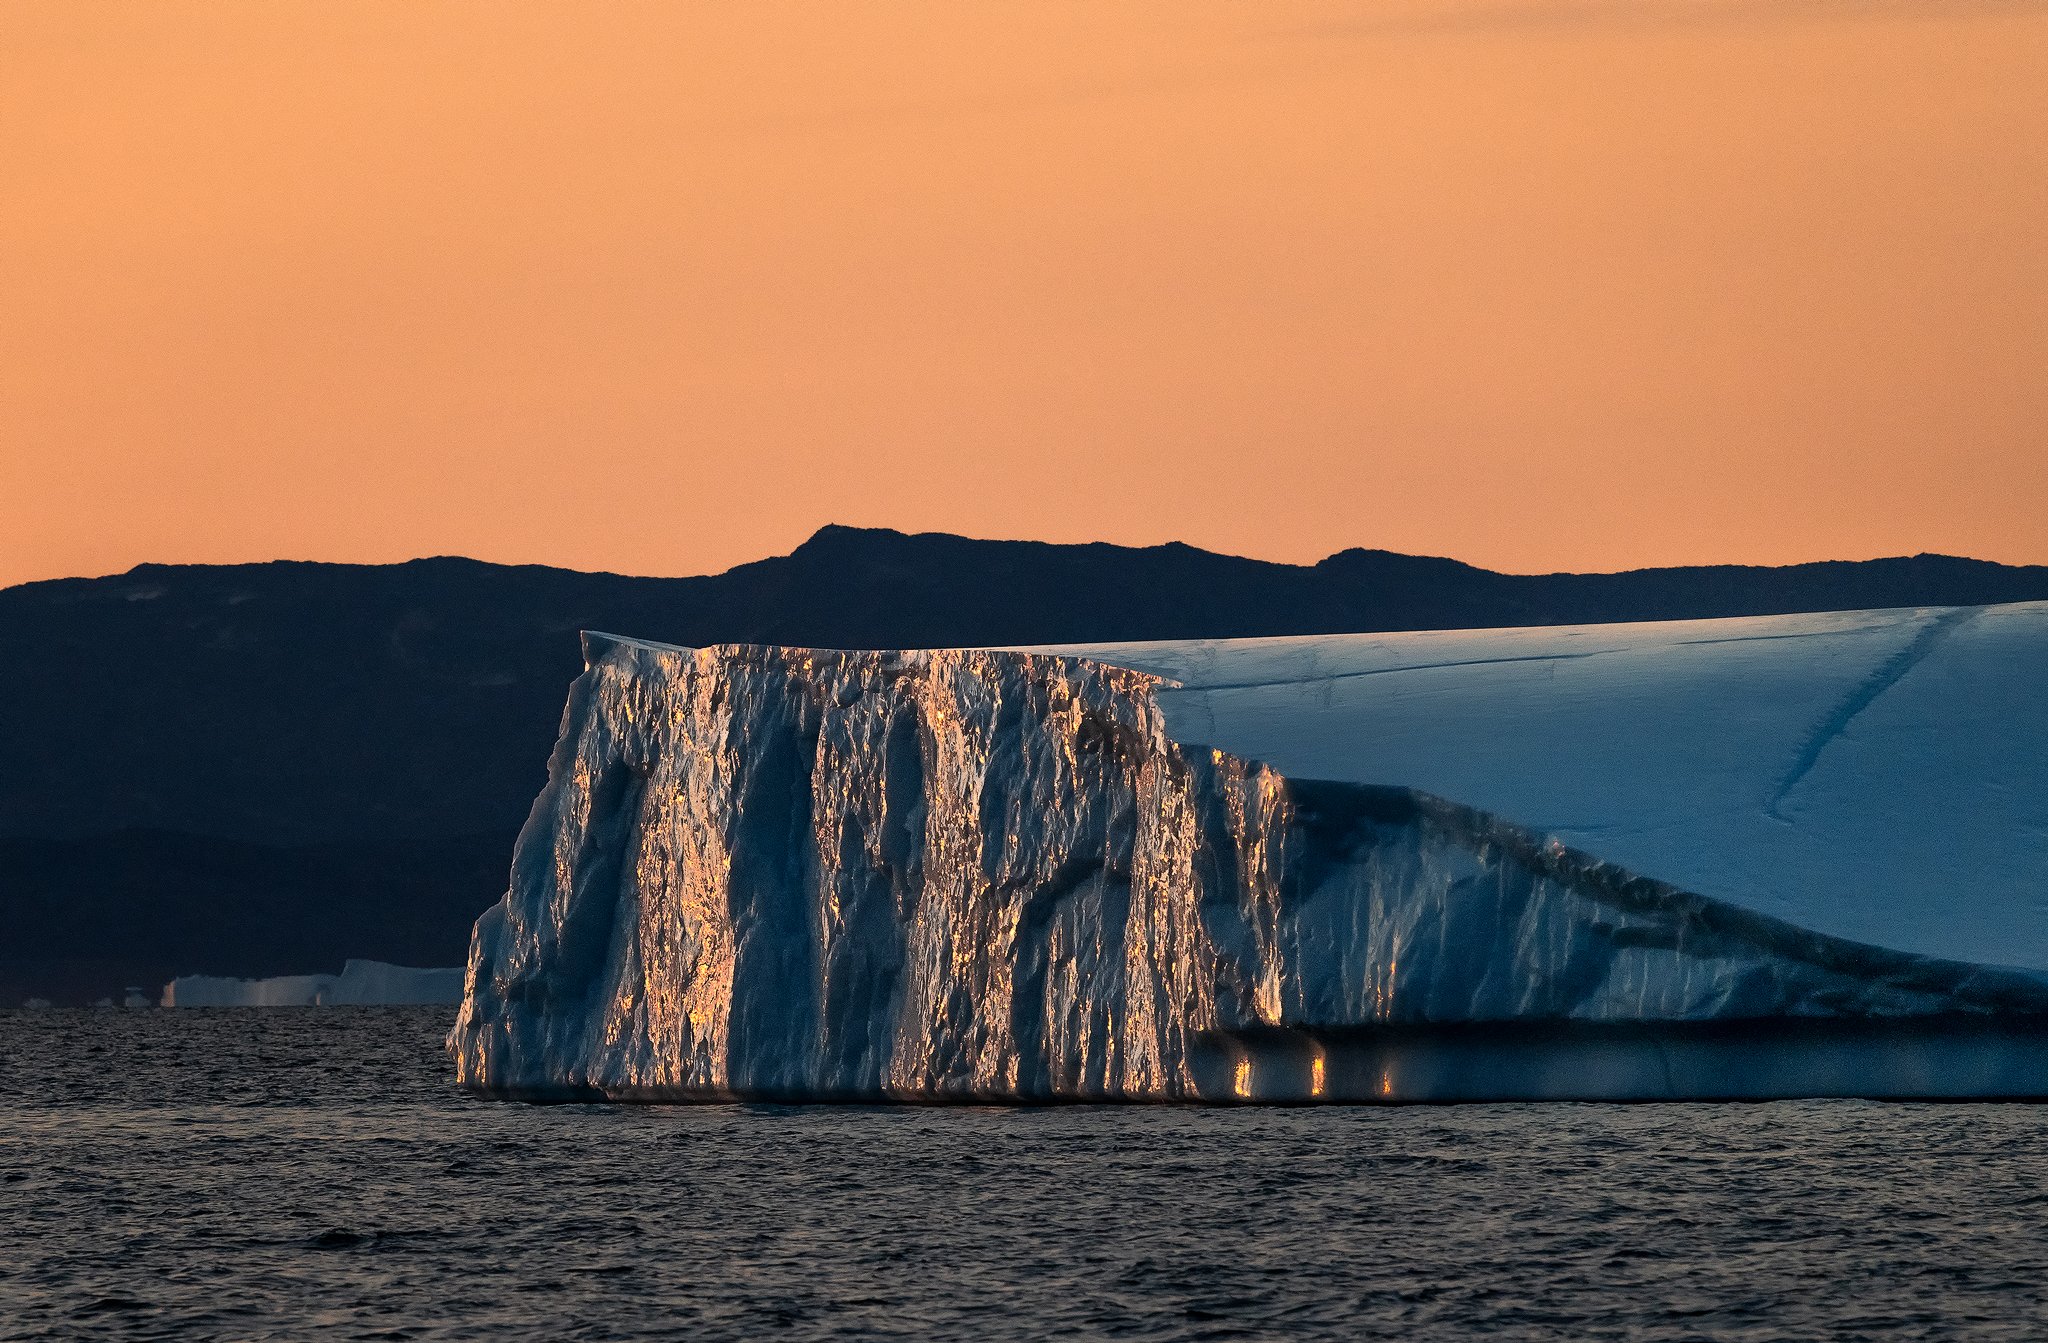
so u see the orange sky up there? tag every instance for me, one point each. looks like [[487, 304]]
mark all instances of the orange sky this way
[[660, 287]]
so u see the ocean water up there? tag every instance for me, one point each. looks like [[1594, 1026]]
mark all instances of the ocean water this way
[[298, 1174]]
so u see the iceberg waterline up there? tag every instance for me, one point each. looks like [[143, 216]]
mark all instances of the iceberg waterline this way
[[972, 875]]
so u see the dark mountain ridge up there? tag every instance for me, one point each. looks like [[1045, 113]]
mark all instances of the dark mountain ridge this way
[[404, 712]]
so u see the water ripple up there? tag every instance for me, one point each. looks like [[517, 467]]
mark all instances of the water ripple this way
[[284, 1175]]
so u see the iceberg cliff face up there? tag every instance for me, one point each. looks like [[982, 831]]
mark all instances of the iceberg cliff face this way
[[963, 875]]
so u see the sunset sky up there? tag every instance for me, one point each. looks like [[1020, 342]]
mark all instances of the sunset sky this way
[[662, 287]]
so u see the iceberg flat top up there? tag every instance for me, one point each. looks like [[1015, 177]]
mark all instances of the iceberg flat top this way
[[1880, 776]]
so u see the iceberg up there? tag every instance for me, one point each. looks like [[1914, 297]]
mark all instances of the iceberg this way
[[360, 984], [1235, 871], [1881, 776]]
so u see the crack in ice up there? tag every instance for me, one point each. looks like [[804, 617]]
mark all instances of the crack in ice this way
[[1865, 694], [1319, 678]]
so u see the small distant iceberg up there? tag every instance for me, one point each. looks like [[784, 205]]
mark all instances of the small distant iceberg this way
[[360, 984]]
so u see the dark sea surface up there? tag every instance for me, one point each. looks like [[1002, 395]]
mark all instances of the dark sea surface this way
[[313, 1173]]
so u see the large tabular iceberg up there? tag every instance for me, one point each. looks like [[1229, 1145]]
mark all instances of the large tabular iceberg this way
[[1013, 875]]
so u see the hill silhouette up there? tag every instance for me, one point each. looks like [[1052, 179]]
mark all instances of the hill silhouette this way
[[265, 768]]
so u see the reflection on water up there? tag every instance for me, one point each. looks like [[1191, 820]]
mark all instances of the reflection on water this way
[[278, 1174]]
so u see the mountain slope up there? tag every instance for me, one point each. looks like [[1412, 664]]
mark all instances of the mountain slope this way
[[379, 706], [298, 703]]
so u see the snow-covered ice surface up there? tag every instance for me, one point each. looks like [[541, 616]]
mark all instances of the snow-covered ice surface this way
[[976, 875], [1875, 775], [360, 984]]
